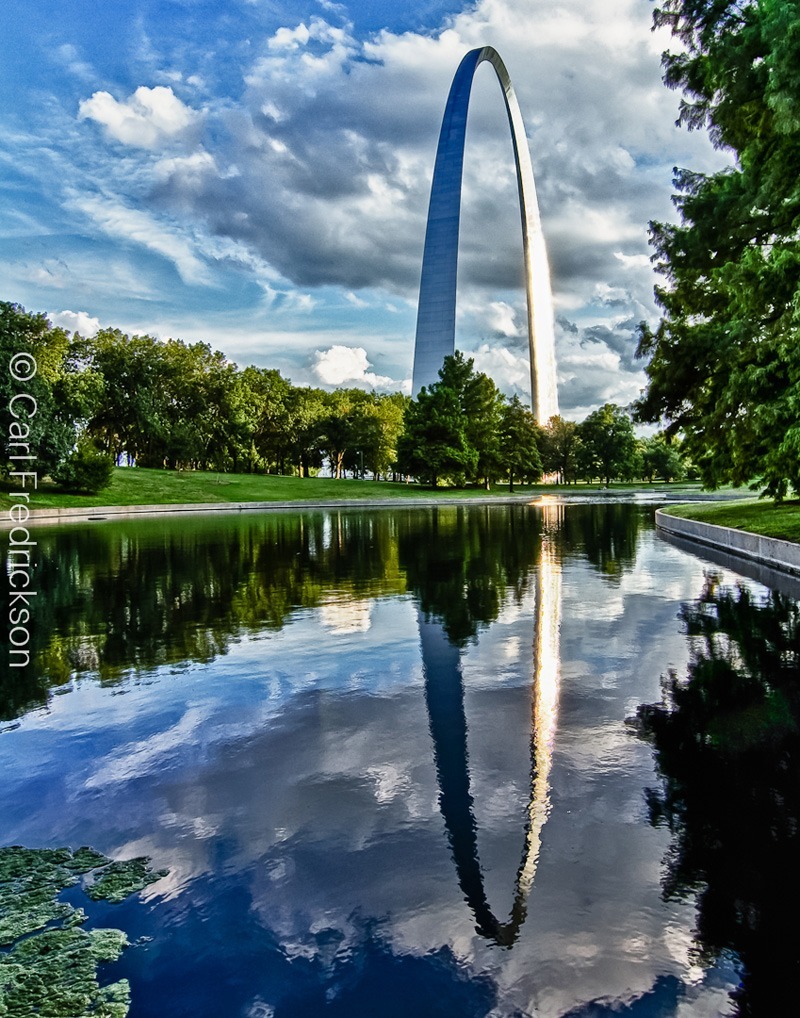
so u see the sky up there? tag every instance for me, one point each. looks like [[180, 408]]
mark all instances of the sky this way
[[255, 175]]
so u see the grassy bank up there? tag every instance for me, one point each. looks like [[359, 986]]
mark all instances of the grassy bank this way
[[138, 486], [756, 516]]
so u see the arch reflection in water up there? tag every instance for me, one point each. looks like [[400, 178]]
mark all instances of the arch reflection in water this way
[[444, 698]]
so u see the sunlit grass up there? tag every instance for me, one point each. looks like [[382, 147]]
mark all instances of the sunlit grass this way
[[765, 517], [138, 486]]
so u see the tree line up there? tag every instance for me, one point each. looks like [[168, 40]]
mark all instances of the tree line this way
[[174, 405], [185, 406]]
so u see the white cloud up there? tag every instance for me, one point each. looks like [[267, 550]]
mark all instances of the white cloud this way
[[633, 261], [130, 224], [335, 152], [71, 58], [75, 321], [346, 365], [510, 370], [191, 169], [502, 318], [147, 119]]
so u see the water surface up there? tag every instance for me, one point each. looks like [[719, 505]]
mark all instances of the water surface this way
[[418, 762]]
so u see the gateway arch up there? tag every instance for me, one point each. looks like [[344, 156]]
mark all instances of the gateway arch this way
[[436, 314]]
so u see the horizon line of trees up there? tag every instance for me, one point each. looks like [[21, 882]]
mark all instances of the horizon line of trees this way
[[172, 405]]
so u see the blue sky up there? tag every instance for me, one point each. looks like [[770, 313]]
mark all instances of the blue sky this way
[[255, 174]]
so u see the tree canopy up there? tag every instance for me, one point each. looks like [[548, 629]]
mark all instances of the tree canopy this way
[[724, 361], [609, 444]]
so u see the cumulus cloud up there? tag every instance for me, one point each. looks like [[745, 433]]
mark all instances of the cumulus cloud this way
[[190, 170], [509, 370], [620, 338], [75, 321], [502, 318], [147, 119], [347, 365], [596, 366]]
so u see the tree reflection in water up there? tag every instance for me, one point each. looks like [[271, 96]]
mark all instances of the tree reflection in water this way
[[464, 563], [727, 749], [119, 599]]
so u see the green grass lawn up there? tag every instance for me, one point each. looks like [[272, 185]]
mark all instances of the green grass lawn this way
[[762, 516], [137, 486]]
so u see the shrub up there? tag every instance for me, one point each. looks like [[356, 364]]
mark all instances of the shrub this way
[[85, 470]]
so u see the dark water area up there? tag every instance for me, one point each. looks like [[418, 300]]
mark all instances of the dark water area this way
[[455, 761]]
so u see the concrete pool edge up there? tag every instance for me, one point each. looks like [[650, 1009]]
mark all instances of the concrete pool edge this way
[[62, 514], [53, 515], [772, 552]]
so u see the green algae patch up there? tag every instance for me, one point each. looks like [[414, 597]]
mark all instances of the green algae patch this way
[[116, 881], [54, 974], [48, 963]]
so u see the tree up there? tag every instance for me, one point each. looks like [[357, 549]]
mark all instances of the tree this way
[[341, 426], [218, 414], [381, 451], [268, 396], [252, 388], [610, 444], [206, 423], [481, 404], [377, 425], [135, 415], [724, 361], [661, 458], [434, 442], [463, 413], [305, 411], [56, 396], [519, 434], [86, 469], [560, 445]]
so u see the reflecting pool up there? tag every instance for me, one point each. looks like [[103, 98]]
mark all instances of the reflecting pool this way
[[459, 761]]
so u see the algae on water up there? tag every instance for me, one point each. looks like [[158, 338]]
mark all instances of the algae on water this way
[[119, 879], [48, 963]]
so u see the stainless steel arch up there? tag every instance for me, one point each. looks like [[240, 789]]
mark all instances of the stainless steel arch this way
[[436, 313]]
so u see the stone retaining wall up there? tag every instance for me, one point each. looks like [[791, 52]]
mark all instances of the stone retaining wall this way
[[782, 555]]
